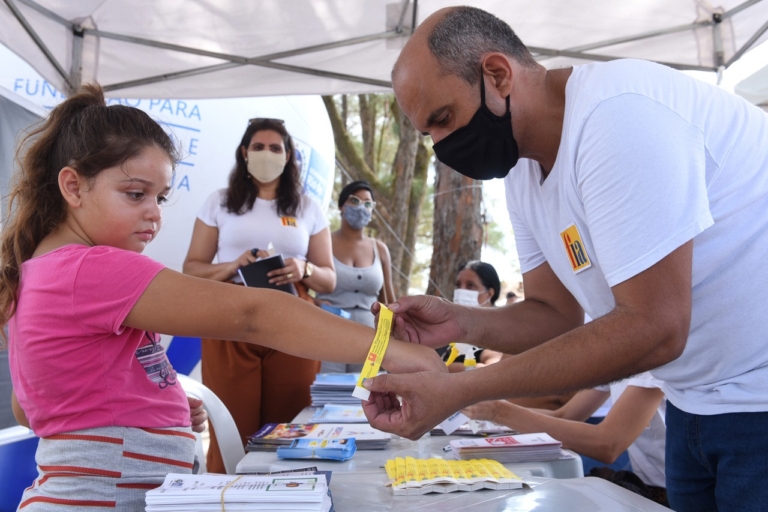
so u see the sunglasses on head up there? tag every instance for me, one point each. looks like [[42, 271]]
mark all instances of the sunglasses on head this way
[[262, 119], [356, 201]]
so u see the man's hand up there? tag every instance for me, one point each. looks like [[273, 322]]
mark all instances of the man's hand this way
[[197, 414], [426, 320], [427, 401]]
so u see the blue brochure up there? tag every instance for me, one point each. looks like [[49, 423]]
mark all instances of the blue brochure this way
[[343, 313], [329, 449]]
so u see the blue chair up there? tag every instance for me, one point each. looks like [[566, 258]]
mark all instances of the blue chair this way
[[184, 354], [17, 465]]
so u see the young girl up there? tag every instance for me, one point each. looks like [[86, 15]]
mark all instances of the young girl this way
[[83, 306]]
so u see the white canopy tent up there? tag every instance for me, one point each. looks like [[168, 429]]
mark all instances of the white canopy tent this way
[[229, 48], [755, 88]]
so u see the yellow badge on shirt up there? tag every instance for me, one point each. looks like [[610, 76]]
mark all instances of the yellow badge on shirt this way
[[574, 248], [288, 221]]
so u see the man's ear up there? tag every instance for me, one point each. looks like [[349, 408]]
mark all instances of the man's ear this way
[[498, 69], [71, 186]]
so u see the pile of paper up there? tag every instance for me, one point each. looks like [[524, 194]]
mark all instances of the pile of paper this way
[[507, 449], [421, 476], [193, 493], [335, 413], [334, 388], [482, 428], [272, 435]]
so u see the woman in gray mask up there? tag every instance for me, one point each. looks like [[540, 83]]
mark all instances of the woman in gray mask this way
[[262, 204], [363, 269]]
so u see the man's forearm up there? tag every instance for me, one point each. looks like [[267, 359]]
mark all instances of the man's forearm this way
[[613, 347], [518, 327]]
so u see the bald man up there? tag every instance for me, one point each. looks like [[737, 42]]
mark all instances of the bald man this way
[[636, 194]]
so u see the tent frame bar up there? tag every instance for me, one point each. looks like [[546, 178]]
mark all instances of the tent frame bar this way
[[736, 56], [73, 79], [578, 51], [39, 42]]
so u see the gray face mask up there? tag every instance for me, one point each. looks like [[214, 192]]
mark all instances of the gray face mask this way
[[357, 216]]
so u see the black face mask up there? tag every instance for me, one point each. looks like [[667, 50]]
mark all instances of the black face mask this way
[[483, 149]]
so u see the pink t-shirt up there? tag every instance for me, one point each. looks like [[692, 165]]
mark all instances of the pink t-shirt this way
[[73, 364]]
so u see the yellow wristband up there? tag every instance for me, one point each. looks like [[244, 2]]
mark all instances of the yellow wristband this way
[[376, 352]]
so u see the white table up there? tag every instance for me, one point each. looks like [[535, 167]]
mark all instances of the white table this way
[[366, 492], [358, 484]]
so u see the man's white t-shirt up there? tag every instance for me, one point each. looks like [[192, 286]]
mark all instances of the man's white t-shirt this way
[[647, 452], [649, 159], [256, 228]]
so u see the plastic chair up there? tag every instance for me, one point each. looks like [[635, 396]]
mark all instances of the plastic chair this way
[[227, 434]]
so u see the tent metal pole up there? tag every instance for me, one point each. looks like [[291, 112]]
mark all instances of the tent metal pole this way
[[76, 70], [748, 44], [39, 42], [237, 58], [641, 36], [403, 10], [170, 76], [739, 8], [266, 64], [718, 56], [605, 58], [328, 46], [47, 13]]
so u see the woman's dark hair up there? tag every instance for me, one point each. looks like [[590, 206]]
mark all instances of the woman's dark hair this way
[[85, 134], [242, 189], [487, 275], [352, 188]]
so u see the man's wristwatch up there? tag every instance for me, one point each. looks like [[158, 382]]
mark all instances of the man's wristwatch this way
[[308, 269]]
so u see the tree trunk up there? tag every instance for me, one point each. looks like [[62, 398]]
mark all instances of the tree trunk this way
[[368, 125], [402, 170], [415, 203], [457, 233]]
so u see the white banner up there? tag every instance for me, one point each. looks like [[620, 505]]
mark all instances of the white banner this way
[[208, 133]]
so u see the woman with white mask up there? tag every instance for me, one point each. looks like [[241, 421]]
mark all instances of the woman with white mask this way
[[477, 284], [363, 268], [263, 204]]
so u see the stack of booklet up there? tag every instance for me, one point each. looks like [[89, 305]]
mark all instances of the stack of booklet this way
[[335, 413], [421, 476], [334, 388], [507, 449], [272, 435], [304, 491]]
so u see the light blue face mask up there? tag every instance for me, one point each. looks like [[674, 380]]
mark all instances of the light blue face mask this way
[[357, 216]]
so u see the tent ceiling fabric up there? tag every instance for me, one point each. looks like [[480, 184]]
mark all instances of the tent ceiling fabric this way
[[230, 48]]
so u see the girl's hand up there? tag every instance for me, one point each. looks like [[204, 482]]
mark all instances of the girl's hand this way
[[293, 272], [482, 411], [197, 414]]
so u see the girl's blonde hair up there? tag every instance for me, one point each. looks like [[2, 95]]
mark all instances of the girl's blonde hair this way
[[85, 134]]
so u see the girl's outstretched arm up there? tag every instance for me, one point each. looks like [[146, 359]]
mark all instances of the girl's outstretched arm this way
[[182, 305]]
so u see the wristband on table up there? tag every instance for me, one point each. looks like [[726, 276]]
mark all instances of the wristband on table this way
[[376, 352]]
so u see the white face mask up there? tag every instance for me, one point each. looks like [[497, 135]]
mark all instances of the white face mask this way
[[467, 297], [265, 166]]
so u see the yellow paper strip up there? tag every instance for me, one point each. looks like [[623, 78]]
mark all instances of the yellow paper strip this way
[[376, 352]]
